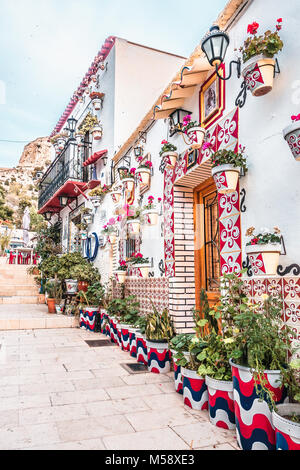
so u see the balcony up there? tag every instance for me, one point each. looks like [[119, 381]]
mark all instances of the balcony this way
[[66, 175]]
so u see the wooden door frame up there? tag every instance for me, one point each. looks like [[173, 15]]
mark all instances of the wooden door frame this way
[[200, 191]]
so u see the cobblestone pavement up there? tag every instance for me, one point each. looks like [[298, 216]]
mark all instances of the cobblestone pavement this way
[[58, 393]]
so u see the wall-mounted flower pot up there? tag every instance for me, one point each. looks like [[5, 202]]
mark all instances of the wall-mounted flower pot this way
[[194, 390], [159, 357], [226, 178], [71, 286], [97, 132], [264, 259], [97, 104], [177, 373], [116, 196], [120, 276], [220, 403], [134, 226], [141, 348], [51, 305], [61, 142], [128, 184], [259, 74], [143, 270], [151, 216], [112, 238], [132, 341], [170, 158], [287, 432], [124, 337], [88, 218], [196, 135], [96, 200], [292, 136], [143, 175], [252, 416]]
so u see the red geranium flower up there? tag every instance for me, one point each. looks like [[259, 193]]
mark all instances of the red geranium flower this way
[[254, 241], [279, 20], [164, 142], [252, 28]]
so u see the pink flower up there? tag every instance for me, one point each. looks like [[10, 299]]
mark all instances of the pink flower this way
[[150, 198], [187, 119], [164, 142], [138, 255], [132, 171], [252, 28], [119, 218], [159, 199], [206, 145], [149, 164], [111, 221], [295, 118], [279, 20], [122, 263]]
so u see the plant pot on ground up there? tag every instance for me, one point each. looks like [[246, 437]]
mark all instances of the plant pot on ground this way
[[263, 250], [54, 292], [90, 305], [178, 345], [124, 310]]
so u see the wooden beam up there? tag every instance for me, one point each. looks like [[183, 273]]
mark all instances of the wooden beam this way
[[193, 78], [183, 92], [163, 114], [172, 104], [200, 65]]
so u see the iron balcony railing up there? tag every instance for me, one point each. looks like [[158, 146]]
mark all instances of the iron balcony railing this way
[[67, 166]]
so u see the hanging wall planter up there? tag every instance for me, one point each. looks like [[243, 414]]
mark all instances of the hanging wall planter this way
[[264, 259], [97, 132], [143, 270], [128, 184], [133, 226], [220, 403], [253, 416], [287, 432], [96, 98], [151, 216], [116, 196], [292, 135], [259, 74], [120, 276], [143, 175], [112, 238], [194, 390], [170, 159], [226, 178], [159, 357], [96, 200], [196, 136]]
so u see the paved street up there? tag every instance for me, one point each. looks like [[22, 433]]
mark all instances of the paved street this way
[[58, 393]]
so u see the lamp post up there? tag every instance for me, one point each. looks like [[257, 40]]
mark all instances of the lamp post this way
[[71, 127]]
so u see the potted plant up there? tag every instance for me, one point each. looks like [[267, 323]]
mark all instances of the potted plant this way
[[52, 289], [85, 274], [262, 344], [109, 229], [141, 264], [123, 310], [159, 330], [116, 194], [291, 134], [96, 98], [91, 300], [97, 132], [88, 124], [141, 342], [179, 344], [87, 215], [226, 169], [121, 272], [286, 417], [168, 154], [150, 212], [264, 250], [143, 172], [127, 179], [258, 57], [97, 195], [194, 131]]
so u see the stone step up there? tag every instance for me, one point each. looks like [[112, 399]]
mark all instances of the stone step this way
[[22, 290], [19, 299], [47, 322]]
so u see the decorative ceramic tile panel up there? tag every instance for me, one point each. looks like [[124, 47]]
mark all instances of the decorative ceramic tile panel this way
[[169, 223]]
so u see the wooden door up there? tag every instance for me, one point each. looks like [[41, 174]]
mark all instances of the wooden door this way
[[207, 246]]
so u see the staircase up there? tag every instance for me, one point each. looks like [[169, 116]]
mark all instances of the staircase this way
[[16, 285]]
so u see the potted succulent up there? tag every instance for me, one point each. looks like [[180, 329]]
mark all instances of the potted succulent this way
[[141, 264], [286, 417], [159, 330], [291, 134], [226, 168], [262, 344], [96, 98], [264, 250], [179, 344], [53, 288], [150, 212], [168, 154], [91, 300], [194, 131], [258, 57], [143, 172], [121, 272]]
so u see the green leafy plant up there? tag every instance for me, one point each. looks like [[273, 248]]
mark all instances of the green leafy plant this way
[[229, 157], [167, 147], [94, 295], [264, 237], [159, 327], [85, 271], [141, 323], [137, 258], [88, 123], [124, 309], [268, 44], [54, 290], [100, 191]]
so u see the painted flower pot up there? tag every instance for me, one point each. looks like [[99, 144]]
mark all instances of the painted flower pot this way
[[220, 403], [61, 142], [194, 390], [253, 417], [128, 184], [141, 348], [287, 432], [226, 178], [120, 276], [170, 158], [97, 133], [196, 135], [264, 259], [96, 200], [88, 219], [159, 357], [108, 326], [142, 270], [113, 330], [124, 337], [132, 341], [119, 335], [103, 319], [90, 314], [259, 74], [71, 286], [143, 175], [97, 103], [133, 226], [151, 216], [177, 373], [292, 136], [116, 196]]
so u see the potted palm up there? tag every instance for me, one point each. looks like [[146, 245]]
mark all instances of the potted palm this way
[[258, 57], [168, 154], [194, 131], [150, 212], [291, 134], [143, 172], [141, 265], [226, 169], [264, 250], [159, 330], [91, 300]]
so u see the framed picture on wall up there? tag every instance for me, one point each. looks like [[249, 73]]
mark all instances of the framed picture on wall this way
[[191, 158], [212, 99]]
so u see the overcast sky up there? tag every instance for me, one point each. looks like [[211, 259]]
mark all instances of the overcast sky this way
[[48, 45]]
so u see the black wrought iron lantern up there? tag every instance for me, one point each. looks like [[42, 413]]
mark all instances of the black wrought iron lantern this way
[[215, 45], [63, 200], [176, 120], [138, 151], [122, 169], [72, 126], [48, 215]]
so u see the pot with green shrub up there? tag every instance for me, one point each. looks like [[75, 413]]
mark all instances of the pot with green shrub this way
[[125, 311], [141, 342], [90, 306], [159, 330], [263, 250], [53, 290], [179, 346]]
